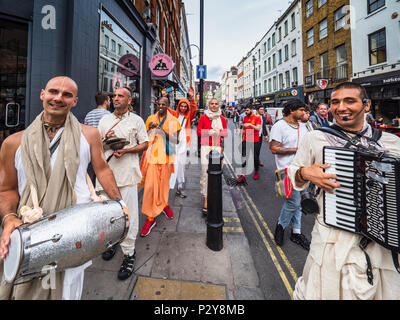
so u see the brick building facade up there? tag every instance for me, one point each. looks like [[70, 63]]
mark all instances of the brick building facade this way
[[327, 58]]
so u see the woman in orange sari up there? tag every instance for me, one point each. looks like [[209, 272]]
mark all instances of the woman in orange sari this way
[[185, 113]]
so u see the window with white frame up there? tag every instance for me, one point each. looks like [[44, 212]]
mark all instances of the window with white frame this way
[[287, 79], [340, 18], [281, 83], [309, 8], [295, 75], [374, 5], [286, 28], [377, 47], [310, 65], [310, 37], [323, 29], [293, 18], [294, 49], [287, 52]]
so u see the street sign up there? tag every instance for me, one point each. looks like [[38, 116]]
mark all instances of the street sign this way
[[201, 72]]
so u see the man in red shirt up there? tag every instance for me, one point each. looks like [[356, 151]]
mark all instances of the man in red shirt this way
[[250, 138], [211, 130]]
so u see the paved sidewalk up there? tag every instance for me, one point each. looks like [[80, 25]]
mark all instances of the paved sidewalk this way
[[174, 263]]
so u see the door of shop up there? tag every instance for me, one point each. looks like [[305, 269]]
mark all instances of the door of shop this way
[[13, 69]]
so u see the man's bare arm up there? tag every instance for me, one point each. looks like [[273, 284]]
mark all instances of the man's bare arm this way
[[9, 196], [103, 172], [276, 148]]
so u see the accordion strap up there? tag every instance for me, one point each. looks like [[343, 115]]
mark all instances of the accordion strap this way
[[339, 132], [363, 245]]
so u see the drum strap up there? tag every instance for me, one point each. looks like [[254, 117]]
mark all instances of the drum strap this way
[[54, 147]]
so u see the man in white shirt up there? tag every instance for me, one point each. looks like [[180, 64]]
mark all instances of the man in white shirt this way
[[285, 138], [125, 165]]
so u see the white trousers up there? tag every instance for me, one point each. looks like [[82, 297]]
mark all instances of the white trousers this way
[[130, 196], [179, 175]]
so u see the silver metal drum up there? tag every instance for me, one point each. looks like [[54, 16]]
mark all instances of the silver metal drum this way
[[65, 239]]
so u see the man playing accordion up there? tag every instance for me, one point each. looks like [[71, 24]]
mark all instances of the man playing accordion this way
[[338, 265]]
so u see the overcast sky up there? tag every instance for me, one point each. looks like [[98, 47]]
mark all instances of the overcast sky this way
[[231, 30]]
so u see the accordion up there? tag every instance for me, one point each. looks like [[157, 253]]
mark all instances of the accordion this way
[[368, 200]]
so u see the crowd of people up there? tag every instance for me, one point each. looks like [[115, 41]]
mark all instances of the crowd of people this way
[[154, 157]]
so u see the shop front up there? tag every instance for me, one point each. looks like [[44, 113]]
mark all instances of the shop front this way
[[13, 76], [281, 97], [384, 92], [266, 101], [101, 44]]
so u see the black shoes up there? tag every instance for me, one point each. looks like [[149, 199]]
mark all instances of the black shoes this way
[[181, 194], [109, 254], [127, 266], [279, 232], [301, 240]]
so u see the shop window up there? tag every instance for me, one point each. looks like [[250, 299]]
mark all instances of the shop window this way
[[119, 64]]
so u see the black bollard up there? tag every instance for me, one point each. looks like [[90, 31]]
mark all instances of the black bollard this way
[[215, 221]]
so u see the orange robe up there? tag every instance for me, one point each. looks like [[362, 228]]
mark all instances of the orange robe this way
[[156, 167], [189, 115]]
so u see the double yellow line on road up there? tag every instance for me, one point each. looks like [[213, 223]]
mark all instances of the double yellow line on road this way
[[267, 244]]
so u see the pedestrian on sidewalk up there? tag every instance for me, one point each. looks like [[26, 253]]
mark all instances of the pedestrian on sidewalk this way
[[306, 119], [341, 264], [157, 164], [93, 118], [58, 177], [236, 116], [185, 113], [320, 117], [250, 140], [286, 136], [264, 132], [125, 165], [211, 130]]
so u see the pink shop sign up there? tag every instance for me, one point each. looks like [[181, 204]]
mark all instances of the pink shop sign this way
[[161, 65]]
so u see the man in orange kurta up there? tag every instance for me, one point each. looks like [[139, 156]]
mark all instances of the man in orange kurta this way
[[157, 164]]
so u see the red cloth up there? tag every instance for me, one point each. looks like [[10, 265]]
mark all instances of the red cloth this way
[[249, 134], [203, 128]]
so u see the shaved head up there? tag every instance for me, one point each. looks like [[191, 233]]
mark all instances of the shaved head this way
[[63, 81]]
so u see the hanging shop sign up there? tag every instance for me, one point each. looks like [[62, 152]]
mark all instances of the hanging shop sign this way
[[322, 83], [161, 65], [311, 97]]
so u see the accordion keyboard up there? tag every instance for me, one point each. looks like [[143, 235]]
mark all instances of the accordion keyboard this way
[[341, 208]]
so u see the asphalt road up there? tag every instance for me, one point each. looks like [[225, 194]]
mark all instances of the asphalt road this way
[[258, 209]]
